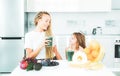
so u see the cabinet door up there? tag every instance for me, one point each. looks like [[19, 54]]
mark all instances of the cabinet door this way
[[68, 5], [11, 18], [11, 53], [116, 4], [108, 45]]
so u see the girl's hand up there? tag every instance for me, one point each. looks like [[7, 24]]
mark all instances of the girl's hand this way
[[80, 48]]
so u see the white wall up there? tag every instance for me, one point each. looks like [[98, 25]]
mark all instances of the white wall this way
[[67, 23], [70, 22]]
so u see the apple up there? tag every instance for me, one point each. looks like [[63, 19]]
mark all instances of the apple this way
[[23, 64]]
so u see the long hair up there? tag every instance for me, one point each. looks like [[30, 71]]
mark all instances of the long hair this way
[[80, 39], [48, 32]]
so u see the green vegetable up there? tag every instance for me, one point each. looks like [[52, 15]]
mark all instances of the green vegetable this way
[[30, 66]]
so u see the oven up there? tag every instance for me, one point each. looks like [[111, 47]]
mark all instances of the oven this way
[[117, 50], [117, 53]]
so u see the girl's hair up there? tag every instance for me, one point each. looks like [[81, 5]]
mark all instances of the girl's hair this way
[[80, 39], [48, 32]]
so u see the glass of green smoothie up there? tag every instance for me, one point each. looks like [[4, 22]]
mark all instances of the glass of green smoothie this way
[[69, 54]]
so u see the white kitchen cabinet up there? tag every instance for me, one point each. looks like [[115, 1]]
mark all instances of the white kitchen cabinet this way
[[11, 34], [11, 18], [68, 5], [116, 4], [11, 53]]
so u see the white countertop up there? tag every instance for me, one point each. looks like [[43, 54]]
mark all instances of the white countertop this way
[[62, 69]]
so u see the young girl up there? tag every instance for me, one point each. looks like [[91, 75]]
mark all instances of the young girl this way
[[76, 43], [35, 40]]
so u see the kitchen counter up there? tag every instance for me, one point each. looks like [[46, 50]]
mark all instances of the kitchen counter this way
[[63, 69]]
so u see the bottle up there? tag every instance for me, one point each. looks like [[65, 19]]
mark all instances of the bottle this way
[[98, 30]]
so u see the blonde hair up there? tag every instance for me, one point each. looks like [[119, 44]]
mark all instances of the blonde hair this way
[[48, 32]]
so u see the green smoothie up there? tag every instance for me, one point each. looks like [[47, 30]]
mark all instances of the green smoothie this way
[[69, 55], [50, 42]]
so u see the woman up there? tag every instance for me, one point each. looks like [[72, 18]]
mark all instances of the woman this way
[[76, 43], [35, 42]]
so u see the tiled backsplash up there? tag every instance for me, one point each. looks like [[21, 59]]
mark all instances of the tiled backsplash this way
[[85, 22]]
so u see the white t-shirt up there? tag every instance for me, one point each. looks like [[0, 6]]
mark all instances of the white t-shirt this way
[[33, 39]]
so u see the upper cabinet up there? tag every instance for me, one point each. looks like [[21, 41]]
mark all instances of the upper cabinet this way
[[115, 4], [68, 5], [11, 18]]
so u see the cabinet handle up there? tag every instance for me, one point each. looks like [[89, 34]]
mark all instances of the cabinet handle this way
[[11, 38]]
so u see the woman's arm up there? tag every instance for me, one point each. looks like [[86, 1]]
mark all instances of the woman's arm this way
[[56, 53]]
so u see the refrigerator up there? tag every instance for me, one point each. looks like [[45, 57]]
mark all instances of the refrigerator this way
[[11, 34]]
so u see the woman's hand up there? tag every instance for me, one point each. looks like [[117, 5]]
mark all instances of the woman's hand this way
[[33, 54], [56, 53], [44, 43], [54, 49]]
